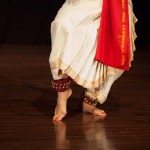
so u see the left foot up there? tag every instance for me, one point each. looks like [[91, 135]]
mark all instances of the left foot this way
[[87, 108]]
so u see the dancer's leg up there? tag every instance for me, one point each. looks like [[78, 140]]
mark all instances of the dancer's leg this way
[[90, 102], [62, 86], [103, 91], [93, 96]]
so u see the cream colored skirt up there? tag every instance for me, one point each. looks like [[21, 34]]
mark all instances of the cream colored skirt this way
[[73, 38]]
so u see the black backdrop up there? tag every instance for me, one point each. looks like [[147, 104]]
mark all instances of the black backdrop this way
[[28, 21]]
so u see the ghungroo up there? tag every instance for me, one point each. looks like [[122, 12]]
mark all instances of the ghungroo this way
[[63, 84], [90, 100]]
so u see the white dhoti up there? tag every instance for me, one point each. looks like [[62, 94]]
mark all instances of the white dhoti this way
[[74, 40]]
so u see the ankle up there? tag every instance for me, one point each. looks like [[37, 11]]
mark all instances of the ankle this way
[[87, 99], [65, 94], [88, 107]]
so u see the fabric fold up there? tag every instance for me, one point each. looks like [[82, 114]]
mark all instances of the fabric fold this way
[[113, 48]]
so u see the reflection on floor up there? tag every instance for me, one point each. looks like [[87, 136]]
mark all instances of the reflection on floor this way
[[27, 102], [94, 135]]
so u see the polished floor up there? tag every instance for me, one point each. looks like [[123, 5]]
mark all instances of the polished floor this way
[[27, 102]]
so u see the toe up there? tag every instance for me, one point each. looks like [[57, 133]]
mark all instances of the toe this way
[[59, 116], [100, 112], [103, 112], [55, 117]]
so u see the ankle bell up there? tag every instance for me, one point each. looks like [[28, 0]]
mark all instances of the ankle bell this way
[[61, 85], [89, 100]]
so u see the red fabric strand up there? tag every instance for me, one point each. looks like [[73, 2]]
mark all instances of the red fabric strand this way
[[113, 47]]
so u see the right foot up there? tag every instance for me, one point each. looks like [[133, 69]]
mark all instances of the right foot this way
[[61, 107]]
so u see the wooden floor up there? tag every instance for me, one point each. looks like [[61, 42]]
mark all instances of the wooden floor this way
[[27, 103]]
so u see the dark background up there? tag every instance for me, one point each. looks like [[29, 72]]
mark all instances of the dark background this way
[[28, 21]]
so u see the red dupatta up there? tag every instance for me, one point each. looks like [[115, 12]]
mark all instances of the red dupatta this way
[[113, 47]]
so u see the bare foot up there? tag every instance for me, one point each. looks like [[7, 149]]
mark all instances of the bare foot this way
[[87, 108], [61, 107]]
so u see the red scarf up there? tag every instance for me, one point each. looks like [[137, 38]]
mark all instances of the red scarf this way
[[113, 47]]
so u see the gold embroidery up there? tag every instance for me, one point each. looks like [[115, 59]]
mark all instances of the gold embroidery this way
[[123, 31]]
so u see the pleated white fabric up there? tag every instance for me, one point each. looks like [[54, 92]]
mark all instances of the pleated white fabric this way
[[73, 38]]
